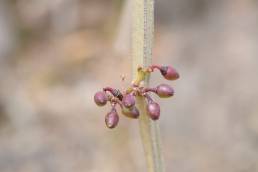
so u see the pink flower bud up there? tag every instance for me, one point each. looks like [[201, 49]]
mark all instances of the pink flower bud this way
[[128, 100], [164, 90], [169, 72], [112, 119], [153, 110], [131, 113], [100, 98]]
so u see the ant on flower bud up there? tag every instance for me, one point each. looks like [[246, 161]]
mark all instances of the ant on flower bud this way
[[127, 99], [114, 92]]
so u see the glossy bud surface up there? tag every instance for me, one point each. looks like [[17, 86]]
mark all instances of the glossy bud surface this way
[[112, 119], [128, 101], [153, 110], [169, 73], [164, 90], [131, 113], [100, 98]]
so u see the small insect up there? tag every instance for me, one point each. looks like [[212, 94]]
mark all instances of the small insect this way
[[122, 77]]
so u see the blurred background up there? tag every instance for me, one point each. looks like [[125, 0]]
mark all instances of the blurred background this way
[[54, 55]]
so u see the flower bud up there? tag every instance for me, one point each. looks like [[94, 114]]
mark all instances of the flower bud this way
[[112, 119], [169, 72], [131, 113], [100, 98], [153, 110], [164, 90], [128, 100]]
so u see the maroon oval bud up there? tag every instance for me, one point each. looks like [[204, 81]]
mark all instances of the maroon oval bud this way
[[169, 72], [153, 110], [164, 90], [128, 100], [112, 119], [100, 98], [131, 113]]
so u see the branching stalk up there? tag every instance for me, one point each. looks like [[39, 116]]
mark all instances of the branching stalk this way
[[142, 40]]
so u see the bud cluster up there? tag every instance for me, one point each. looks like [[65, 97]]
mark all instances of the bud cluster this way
[[127, 100]]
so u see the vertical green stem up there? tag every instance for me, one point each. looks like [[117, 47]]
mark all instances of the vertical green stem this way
[[142, 40]]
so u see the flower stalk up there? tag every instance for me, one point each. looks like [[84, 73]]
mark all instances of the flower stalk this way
[[142, 41]]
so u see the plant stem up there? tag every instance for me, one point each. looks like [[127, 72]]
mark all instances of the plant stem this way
[[142, 40]]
